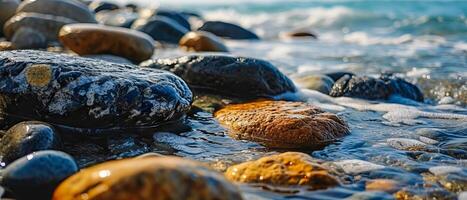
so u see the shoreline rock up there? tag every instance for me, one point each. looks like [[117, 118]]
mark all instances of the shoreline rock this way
[[281, 124], [228, 30], [202, 41], [71, 9]]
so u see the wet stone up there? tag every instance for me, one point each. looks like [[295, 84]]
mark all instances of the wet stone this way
[[25, 138], [27, 38], [286, 169], [319, 83], [337, 75], [375, 88], [225, 75], [7, 10], [386, 185], [86, 39], [228, 30], [47, 25], [38, 174], [202, 41], [451, 178], [143, 179], [282, 124], [161, 29], [71, 9], [406, 144], [6, 46], [174, 15], [109, 58], [90, 95], [301, 34]]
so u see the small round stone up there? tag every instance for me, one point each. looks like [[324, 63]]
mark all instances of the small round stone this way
[[25, 138], [98, 6], [71, 9], [161, 29], [319, 83], [28, 38], [86, 39], [286, 169], [301, 34], [228, 30], [282, 124], [151, 178], [36, 175], [202, 41]]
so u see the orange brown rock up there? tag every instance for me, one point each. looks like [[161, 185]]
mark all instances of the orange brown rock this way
[[152, 178], [386, 185], [282, 124], [86, 39], [202, 41], [286, 169]]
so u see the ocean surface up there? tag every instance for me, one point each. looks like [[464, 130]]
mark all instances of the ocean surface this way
[[422, 41]]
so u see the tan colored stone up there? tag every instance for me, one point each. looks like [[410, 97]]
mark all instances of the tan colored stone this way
[[286, 169], [152, 178], [86, 39], [386, 185], [202, 41], [6, 46], [282, 124]]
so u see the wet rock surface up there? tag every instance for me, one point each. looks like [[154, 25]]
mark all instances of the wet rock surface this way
[[162, 29], [47, 25], [202, 41], [282, 124], [98, 6], [88, 93], [301, 34], [148, 178], [232, 76], [28, 38], [38, 174], [25, 138], [71, 9], [286, 169], [174, 15], [228, 30], [7, 10], [5, 46], [110, 58], [375, 88], [86, 39]]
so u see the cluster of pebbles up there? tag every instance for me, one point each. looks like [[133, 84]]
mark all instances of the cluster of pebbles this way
[[69, 69]]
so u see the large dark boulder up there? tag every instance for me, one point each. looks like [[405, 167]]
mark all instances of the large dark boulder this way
[[92, 95], [228, 30], [232, 76], [161, 29], [375, 88]]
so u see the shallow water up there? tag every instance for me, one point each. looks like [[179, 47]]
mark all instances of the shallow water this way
[[423, 41]]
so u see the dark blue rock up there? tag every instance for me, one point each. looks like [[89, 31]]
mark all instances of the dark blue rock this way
[[161, 29], [375, 88], [25, 138], [228, 30], [36, 175], [93, 95], [176, 16], [231, 76]]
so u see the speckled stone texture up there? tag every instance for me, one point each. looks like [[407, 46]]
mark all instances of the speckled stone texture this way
[[232, 76], [286, 169], [375, 88], [87, 93], [150, 178], [282, 124]]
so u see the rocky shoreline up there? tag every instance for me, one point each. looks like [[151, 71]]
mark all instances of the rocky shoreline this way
[[72, 78]]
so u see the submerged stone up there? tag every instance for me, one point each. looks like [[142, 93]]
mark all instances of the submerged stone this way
[[228, 30], [71, 9], [86, 39], [161, 29], [7, 10], [47, 25], [282, 124], [25, 138], [375, 88], [150, 178], [87, 93], [36, 175], [286, 169], [202, 41], [231, 76], [386, 185]]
